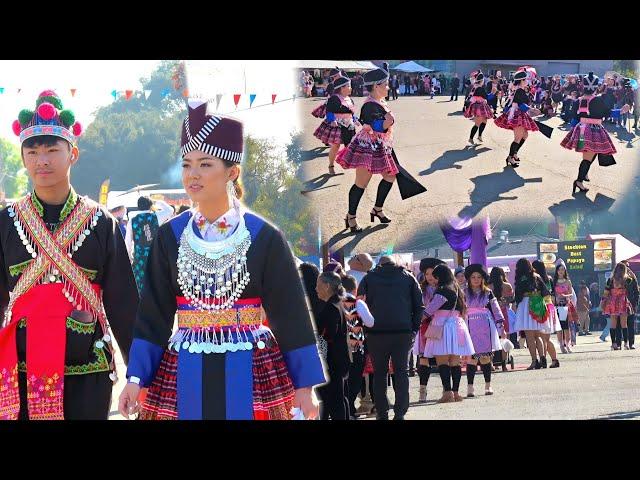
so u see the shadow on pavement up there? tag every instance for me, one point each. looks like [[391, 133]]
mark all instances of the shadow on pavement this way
[[351, 244], [582, 203], [620, 415], [314, 153], [457, 113], [318, 182], [450, 159], [489, 189]]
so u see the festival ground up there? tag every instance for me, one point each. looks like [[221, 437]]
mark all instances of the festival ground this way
[[591, 383], [431, 143]]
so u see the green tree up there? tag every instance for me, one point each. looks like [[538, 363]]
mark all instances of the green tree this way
[[628, 68], [272, 189], [13, 177], [134, 141]]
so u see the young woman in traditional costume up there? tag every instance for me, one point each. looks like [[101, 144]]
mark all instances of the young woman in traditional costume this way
[[485, 322], [339, 125], [223, 269]]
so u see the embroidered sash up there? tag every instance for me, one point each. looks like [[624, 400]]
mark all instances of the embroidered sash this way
[[45, 373]]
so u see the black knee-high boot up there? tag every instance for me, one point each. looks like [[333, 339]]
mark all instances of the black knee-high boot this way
[[481, 129], [520, 145], [456, 375], [474, 129], [384, 188], [471, 373], [424, 372], [513, 149], [614, 335], [585, 165], [486, 371], [445, 376], [355, 194]]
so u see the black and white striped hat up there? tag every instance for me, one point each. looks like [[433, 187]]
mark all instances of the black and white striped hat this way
[[341, 82], [521, 75], [373, 77], [212, 134]]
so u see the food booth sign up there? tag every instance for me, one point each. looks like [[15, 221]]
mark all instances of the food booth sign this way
[[579, 255]]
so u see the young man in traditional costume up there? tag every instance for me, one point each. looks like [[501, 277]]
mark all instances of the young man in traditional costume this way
[[65, 279]]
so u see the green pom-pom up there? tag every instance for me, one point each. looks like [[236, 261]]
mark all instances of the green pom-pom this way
[[25, 116], [55, 101], [67, 118]]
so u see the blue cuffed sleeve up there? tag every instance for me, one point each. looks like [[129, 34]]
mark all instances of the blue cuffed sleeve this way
[[144, 360], [524, 107], [377, 125], [331, 117], [305, 366]]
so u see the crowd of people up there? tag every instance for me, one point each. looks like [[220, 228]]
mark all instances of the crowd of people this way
[[380, 324]]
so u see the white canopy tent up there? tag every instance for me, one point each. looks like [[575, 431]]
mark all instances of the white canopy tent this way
[[411, 67], [342, 64]]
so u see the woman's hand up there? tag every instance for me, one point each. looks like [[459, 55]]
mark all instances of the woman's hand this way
[[389, 117], [305, 400], [128, 403]]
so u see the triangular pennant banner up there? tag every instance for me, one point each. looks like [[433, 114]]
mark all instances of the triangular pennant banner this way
[[218, 98], [128, 94], [114, 94], [165, 92], [146, 94], [273, 97], [185, 92], [73, 92], [236, 98], [252, 97]]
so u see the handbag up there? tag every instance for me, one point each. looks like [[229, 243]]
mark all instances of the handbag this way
[[435, 332], [606, 160]]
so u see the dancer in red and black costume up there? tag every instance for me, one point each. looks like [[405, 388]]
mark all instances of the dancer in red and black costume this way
[[478, 109], [320, 111], [371, 150], [588, 136], [517, 117], [339, 125]]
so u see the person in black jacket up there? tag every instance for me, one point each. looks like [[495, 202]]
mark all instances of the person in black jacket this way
[[332, 326], [395, 301], [455, 85]]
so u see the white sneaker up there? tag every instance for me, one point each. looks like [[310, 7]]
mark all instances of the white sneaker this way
[[487, 389], [479, 138], [470, 391]]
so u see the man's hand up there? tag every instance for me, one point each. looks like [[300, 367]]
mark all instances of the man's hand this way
[[128, 403], [305, 400]]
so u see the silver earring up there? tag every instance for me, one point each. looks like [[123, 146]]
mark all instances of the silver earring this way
[[231, 189]]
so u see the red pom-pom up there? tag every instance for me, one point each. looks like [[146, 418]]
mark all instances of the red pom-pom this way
[[15, 126], [77, 129], [47, 111], [48, 93]]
